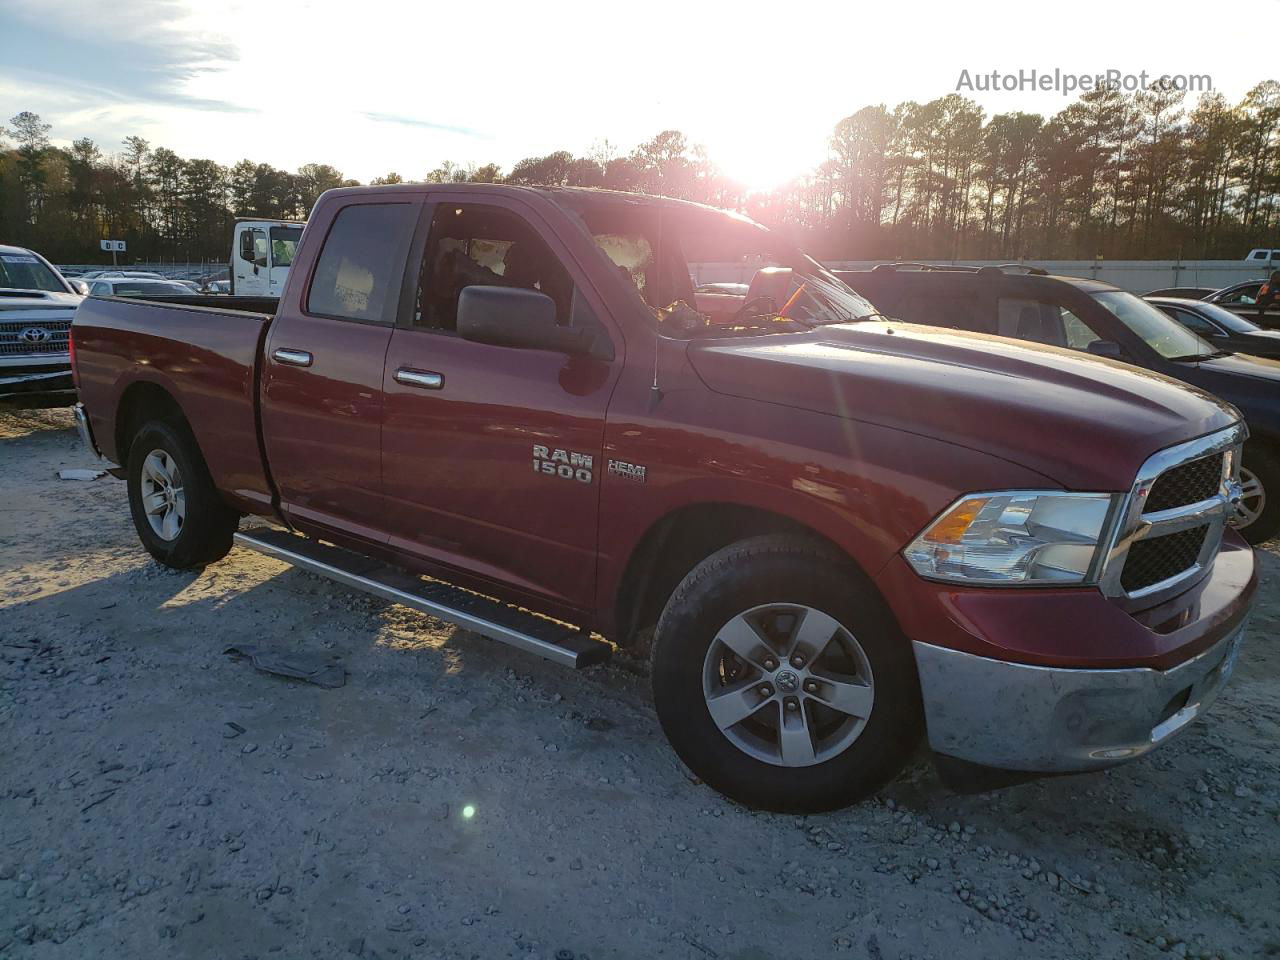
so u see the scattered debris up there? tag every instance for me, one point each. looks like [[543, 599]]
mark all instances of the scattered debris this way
[[81, 474], [294, 665]]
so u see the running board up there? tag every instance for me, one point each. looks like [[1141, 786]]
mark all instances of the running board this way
[[551, 639]]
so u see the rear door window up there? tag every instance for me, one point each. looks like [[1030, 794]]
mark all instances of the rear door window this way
[[362, 263], [941, 308]]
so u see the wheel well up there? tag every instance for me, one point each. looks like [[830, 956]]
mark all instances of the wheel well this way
[[141, 403], [679, 542]]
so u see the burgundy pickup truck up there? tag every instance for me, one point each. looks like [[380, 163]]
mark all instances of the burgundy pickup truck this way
[[510, 407]]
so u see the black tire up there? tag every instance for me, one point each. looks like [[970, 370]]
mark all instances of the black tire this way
[[1263, 463], [204, 535], [783, 569]]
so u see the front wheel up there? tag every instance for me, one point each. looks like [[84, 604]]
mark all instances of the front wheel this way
[[179, 516], [1258, 515], [781, 680]]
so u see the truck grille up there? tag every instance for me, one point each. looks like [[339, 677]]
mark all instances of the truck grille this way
[[1174, 517], [33, 337], [1192, 482], [1157, 559]]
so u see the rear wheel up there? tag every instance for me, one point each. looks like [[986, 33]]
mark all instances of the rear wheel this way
[[1259, 511], [781, 680], [177, 511]]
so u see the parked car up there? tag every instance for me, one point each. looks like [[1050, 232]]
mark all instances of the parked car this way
[[841, 530], [1103, 320], [1221, 327], [1188, 293], [261, 253], [128, 274], [1242, 298], [36, 307], [130, 287]]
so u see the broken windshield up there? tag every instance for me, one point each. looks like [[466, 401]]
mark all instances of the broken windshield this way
[[708, 273]]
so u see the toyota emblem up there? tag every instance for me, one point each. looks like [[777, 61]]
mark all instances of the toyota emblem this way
[[35, 335]]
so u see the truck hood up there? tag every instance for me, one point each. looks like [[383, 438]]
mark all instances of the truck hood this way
[[1081, 422], [36, 304]]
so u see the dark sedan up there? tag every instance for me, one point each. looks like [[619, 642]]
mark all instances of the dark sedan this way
[[1224, 329]]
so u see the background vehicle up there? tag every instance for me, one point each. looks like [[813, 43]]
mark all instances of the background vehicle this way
[[1100, 319], [129, 274], [36, 307], [261, 253], [1242, 298], [131, 287], [1188, 293], [842, 530], [1221, 327], [1264, 254]]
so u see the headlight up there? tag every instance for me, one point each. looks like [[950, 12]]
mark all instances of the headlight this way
[[1015, 537]]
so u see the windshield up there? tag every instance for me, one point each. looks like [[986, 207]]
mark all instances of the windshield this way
[[22, 271], [1163, 334], [1226, 319], [713, 274], [284, 243]]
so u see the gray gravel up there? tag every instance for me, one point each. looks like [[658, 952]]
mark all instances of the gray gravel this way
[[457, 799]]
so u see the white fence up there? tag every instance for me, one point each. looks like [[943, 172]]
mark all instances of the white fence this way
[[1138, 276]]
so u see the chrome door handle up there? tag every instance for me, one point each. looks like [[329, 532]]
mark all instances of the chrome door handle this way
[[294, 358], [426, 379]]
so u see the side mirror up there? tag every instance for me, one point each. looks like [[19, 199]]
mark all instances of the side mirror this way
[[246, 246], [1106, 348], [79, 286], [516, 317]]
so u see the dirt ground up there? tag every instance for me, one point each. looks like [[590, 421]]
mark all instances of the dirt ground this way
[[458, 799]]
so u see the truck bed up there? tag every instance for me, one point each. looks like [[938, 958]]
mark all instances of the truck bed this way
[[204, 352]]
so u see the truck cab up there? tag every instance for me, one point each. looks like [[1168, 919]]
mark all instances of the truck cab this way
[[261, 254]]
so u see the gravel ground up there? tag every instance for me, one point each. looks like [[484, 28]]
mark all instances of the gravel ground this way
[[460, 799]]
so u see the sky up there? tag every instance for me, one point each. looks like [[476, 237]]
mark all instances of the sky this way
[[378, 85]]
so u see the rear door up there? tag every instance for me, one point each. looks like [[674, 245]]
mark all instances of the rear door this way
[[322, 403], [492, 456]]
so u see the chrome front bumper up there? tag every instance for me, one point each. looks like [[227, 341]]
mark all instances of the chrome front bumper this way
[[1014, 716]]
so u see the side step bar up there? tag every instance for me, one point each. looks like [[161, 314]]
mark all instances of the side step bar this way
[[555, 641]]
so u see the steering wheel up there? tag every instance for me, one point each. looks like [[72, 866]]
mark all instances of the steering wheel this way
[[746, 310]]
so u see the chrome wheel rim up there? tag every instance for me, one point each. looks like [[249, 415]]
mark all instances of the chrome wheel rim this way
[[1253, 499], [163, 500], [788, 685]]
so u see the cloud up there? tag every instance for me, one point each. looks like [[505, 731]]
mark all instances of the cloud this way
[[145, 52], [425, 124]]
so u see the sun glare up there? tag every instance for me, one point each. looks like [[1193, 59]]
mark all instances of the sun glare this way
[[761, 166]]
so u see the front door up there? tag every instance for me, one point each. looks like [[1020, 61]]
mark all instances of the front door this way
[[322, 403], [249, 266], [492, 455], [283, 242]]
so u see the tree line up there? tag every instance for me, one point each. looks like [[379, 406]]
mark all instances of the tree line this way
[[1146, 175]]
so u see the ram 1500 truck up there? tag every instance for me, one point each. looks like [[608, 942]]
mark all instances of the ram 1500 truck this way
[[509, 407]]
